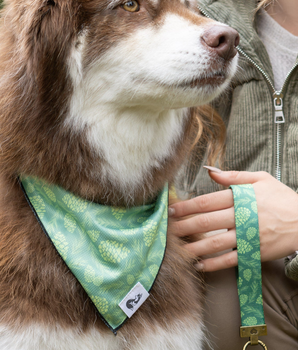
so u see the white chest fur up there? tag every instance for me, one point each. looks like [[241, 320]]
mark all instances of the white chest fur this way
[[133, 140], [132, 100], [180, 336]]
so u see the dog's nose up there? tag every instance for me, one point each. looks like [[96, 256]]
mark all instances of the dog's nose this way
[[223, 40]]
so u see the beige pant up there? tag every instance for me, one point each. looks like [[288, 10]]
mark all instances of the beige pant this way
[[222, 313]]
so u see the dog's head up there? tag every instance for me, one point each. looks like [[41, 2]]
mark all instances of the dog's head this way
[[102, 72], [129, 53], [159, 54]]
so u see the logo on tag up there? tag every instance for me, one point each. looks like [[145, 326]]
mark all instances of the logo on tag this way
[[134, 299]]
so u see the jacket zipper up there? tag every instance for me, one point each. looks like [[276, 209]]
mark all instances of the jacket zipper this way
[[279, 118]]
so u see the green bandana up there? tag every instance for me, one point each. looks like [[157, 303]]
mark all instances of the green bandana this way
[[115, 253]]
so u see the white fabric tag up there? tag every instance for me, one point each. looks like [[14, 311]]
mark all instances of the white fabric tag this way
[[133, 299]]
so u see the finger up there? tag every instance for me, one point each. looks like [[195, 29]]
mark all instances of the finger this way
[[203, 204], [222, 262], [227, 178], [222, 219], [214, 244]]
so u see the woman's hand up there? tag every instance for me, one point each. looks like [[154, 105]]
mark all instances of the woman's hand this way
[[278, 219]]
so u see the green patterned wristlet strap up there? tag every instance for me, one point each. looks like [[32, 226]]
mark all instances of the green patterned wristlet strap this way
[[249, 273]]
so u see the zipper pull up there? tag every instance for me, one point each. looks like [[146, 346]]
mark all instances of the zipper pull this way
[[278, 106]]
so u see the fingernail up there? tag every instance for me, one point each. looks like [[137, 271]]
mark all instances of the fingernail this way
[[199, 266], [171, 212], [212, 169]]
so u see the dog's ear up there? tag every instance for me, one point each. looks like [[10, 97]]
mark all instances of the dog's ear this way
[[38, 36], [36, 17]]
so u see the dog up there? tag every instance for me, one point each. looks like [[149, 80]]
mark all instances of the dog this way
[[99, 98]]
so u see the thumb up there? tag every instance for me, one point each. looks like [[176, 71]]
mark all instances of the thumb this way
[[227, 178]]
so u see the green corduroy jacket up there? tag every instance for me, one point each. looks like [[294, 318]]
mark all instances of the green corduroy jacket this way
[[255, 142]]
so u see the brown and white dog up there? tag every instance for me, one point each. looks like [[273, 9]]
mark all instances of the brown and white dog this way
[[95, 96]]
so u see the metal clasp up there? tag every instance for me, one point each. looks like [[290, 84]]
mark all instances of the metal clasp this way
[[253, 332], [259, 343]]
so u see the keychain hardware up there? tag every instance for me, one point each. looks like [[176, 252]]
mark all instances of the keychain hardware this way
[[253, 332], [259, 343]]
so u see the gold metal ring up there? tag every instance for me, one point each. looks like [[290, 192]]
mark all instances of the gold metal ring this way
[[259, 341]]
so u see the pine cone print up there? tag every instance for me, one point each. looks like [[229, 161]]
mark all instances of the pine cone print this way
[[150, 232], [256, 255], [38, 205], [243, 246], [101, 304], [77, 205], [118, 213], [30, 188], [70, 223], [243, 299], [61, 244], [250, 321], [49, 193], [112, 251], [247, 274], [254, 207], [90, 276], [94, 235], [260, 300], [251, 232], [241, 216]]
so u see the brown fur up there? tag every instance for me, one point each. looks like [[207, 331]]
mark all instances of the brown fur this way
[[35, 285]]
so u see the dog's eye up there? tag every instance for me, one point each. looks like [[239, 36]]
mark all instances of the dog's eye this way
[[131, 6]]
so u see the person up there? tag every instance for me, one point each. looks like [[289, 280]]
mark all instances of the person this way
[[260, 111]]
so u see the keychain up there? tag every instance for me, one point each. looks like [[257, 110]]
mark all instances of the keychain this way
[[249, 273]]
